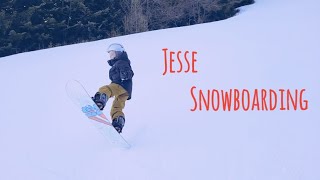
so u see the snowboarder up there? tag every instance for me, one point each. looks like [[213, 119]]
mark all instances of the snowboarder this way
[[120, 87]]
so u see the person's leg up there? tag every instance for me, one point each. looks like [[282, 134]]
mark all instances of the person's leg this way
[[112, 90], [118, 105], [118, 119], [120, 94]]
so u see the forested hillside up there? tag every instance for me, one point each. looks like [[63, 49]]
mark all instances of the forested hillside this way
[[27, 25]]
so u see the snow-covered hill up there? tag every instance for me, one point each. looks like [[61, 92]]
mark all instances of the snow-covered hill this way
[[270, 45]]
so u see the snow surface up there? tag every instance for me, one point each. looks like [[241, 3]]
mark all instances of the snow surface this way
[[272, 44]]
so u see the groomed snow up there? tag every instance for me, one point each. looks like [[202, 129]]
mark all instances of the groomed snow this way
[[269, 45]]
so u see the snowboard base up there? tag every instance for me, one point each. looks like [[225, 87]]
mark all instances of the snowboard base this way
[[83, 101]]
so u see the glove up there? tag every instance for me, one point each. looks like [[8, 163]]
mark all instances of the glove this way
[[124, 76]]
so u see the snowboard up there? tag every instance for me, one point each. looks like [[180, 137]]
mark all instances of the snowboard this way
[[83, 101]]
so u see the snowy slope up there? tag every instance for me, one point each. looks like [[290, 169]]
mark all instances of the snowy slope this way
[[271, 44]]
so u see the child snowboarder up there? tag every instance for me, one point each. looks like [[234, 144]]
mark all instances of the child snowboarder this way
[[120, 87]]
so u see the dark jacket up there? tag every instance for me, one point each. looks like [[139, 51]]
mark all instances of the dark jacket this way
[[121, 72]]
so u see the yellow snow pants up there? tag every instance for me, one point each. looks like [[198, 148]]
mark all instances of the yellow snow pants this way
[[120, 96]]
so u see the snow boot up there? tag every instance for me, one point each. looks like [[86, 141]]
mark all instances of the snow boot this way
[[100, 99], [118, 123]]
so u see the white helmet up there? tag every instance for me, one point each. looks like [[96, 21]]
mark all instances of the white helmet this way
[[116, 47]]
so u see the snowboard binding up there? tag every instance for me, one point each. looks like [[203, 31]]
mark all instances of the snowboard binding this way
[[118, 123], [100, 99]]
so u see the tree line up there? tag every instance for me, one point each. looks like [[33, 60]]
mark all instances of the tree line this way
[[27, 25]]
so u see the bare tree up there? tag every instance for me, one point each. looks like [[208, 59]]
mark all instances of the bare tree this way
[[135, 20], [143, 15]]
